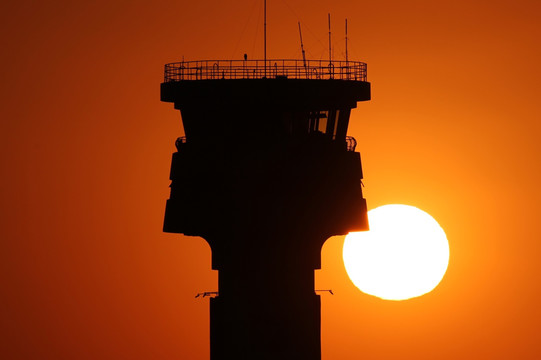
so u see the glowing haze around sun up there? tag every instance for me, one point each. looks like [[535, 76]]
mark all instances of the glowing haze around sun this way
[[404, 254]]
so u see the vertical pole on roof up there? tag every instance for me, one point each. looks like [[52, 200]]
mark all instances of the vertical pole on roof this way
[[265, 35]]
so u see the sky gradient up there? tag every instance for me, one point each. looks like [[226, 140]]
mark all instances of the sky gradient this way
[[453, 128]]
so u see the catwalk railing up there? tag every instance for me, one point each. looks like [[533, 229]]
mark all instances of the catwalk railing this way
[[350, 143], [259, 69]]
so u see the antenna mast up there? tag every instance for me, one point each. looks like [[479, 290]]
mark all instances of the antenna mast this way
[[330, 57], [302, 49], [346, 41], [265, 35]]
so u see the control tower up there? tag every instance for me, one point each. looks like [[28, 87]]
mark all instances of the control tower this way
[[265, 174]]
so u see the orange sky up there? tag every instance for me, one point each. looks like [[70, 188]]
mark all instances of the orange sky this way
[[453, 128]]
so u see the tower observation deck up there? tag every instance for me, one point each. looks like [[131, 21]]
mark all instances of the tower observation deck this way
[[265, 174]]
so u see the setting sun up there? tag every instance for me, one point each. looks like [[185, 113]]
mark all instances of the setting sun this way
[[405, 254]]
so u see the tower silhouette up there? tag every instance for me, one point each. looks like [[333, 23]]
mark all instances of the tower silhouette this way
[[265, 174]]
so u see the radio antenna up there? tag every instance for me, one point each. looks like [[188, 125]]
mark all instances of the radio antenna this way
[[330, 56], [302, 49], [346, 42], [265, 35]]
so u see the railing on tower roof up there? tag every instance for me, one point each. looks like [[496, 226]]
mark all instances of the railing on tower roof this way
[[255, 69]]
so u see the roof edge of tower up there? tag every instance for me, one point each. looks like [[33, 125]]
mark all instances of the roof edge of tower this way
[[277, 92]]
